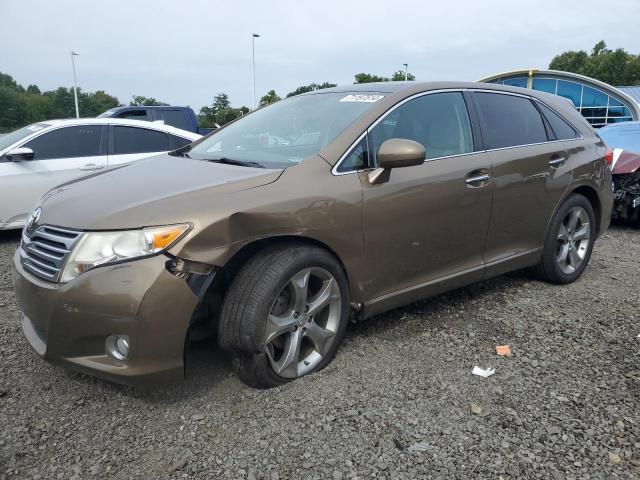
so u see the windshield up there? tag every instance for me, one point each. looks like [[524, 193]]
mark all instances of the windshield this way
[[17, 135], [285, 133], [627, 138]]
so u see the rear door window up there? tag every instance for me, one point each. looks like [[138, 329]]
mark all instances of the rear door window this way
[[509, 120], [559, 125], [138, 140], [67, 142], [438, 121], [175, 118]]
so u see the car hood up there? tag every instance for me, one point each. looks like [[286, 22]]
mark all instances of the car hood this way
[[625, 161], [156, 191]]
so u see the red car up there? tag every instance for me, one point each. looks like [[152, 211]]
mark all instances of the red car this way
[[624, 140]]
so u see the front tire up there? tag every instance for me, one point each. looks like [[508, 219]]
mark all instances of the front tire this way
[[285, 314], [569, 241]]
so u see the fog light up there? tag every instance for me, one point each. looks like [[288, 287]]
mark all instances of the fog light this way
[[117, 346]]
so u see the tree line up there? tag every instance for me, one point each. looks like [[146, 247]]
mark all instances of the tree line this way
[[21, 106]]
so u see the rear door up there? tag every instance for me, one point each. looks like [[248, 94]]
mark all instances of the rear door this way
[[428, 221], [60, 155], [128, 143], [530, 172]]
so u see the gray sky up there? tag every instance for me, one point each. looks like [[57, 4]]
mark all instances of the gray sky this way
[[185, 52]]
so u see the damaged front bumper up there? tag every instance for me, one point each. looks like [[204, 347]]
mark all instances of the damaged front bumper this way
[[68, 324]]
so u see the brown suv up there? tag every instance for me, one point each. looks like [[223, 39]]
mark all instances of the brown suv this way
[[270, 231]]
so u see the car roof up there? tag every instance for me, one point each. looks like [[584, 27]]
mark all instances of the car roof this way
[[622, 126], [122, 121], [399, 89]]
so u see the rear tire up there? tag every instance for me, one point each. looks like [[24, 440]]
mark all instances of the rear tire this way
[[569, 241], [285, 314]]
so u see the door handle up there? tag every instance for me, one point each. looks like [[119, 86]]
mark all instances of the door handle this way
[[477, 179], [557, 161], [91, 166]]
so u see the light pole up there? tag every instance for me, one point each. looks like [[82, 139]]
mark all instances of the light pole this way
[[253, 65], [75, 83], [406, 68]]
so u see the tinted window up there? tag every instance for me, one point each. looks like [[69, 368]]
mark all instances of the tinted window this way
[[68, 142], [560, 127], [10, 138], [508, 120], [133, 115], [175, 118], [178, 142], [138, 140], [357, 158], [438, 121]]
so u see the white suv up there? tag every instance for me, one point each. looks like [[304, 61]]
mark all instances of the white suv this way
[[40, 156]]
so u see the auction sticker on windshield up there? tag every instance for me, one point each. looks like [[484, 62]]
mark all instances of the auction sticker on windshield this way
[[362, 98]]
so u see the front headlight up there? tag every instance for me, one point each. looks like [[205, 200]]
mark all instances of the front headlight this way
[[102, 248]]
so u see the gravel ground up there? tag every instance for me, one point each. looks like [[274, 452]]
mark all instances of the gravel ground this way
[[399, 400]]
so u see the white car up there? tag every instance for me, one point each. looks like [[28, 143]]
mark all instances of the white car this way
[[40, 156]]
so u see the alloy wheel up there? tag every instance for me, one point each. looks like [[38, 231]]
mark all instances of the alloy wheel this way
[[303, 322], [574, 236]]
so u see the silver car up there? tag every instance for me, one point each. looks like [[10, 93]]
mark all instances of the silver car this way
[[40, 156]]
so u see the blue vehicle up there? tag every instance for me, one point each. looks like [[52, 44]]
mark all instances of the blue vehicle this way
[[180, 117]]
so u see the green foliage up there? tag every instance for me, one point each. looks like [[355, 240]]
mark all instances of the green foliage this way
[[270, 97], [310, 88], [368, 78], [616, 67], [220, 112], [140, 101], [399, 76], [20, 106]]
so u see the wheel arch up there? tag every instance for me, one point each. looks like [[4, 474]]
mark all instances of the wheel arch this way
[[210, 305], [591, 194]]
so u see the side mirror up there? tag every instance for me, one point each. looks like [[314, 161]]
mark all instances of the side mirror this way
[[19, 154], [396, 153]]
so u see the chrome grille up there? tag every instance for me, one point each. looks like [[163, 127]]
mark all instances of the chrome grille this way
[[45, 251]]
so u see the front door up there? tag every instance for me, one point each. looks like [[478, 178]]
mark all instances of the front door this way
[[59, 156], [428, 222]]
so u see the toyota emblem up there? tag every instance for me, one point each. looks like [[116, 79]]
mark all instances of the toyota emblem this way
[[33, 219]]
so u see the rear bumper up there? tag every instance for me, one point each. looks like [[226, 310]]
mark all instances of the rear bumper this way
[[67, 324]]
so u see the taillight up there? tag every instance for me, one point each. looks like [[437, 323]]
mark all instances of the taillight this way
[[608, 157]]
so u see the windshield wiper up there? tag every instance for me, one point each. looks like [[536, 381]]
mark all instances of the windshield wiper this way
[[231, 161]]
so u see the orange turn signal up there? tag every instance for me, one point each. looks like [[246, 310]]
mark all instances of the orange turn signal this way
[[165, 238]]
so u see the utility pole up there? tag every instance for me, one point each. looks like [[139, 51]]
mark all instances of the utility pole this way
[[406, 73], [253, 65], [75, 83]]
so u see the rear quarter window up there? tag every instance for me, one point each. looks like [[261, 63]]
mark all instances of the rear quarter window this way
[[559, 125], [509, 120]]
